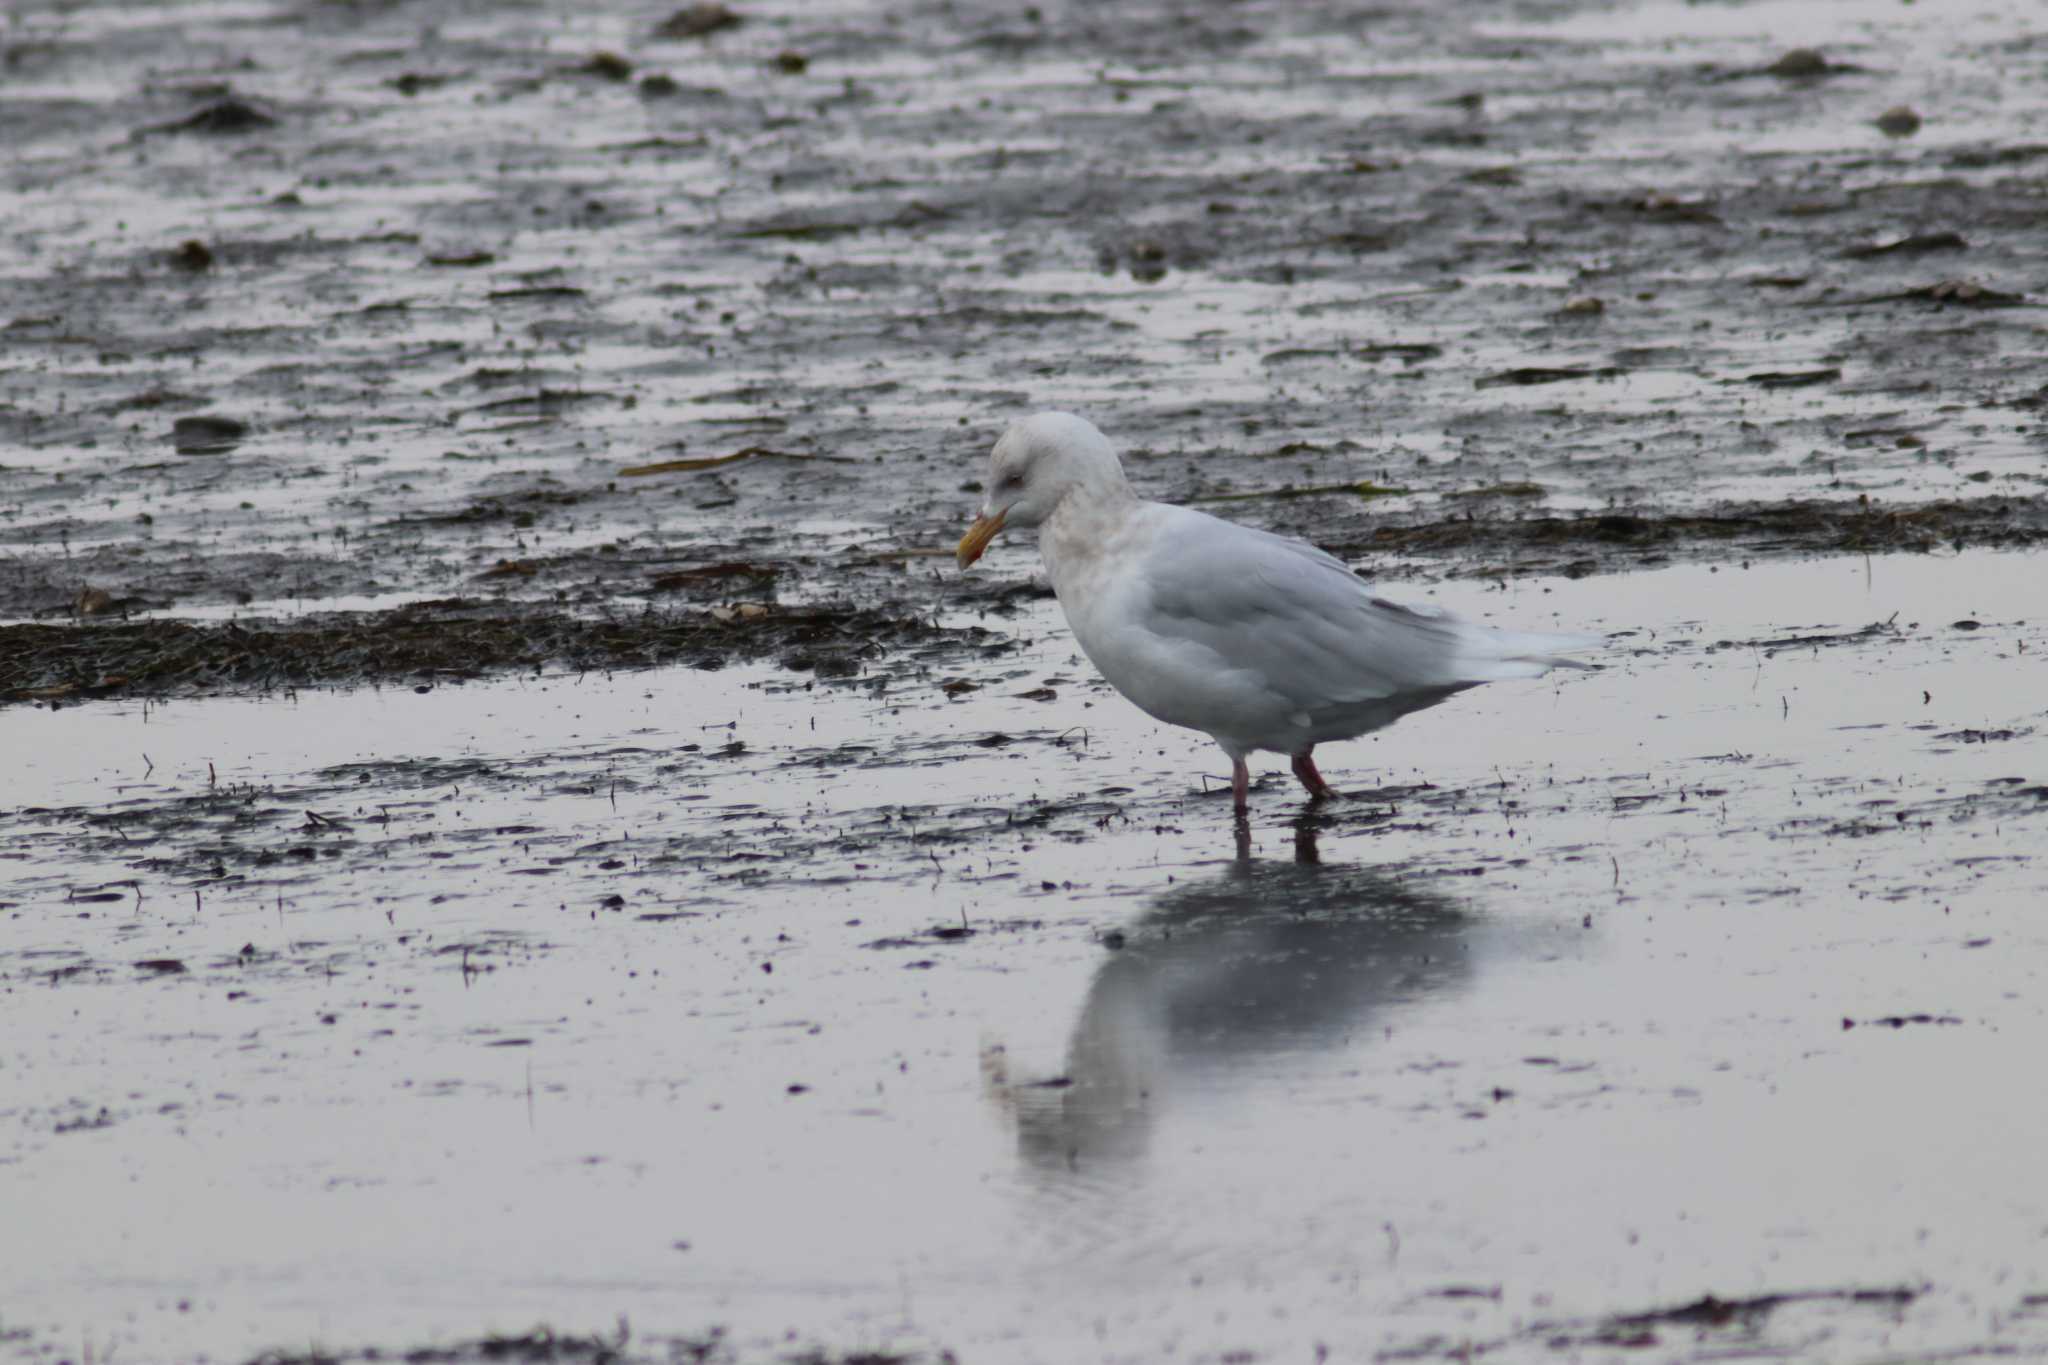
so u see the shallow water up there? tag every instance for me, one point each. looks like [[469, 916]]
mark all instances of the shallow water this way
[[895, 1040]]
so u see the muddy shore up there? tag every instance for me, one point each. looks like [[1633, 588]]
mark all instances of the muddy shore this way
[[512, 815], [1584, 296]]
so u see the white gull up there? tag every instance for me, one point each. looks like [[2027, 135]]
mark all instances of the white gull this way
[[1257, 640]]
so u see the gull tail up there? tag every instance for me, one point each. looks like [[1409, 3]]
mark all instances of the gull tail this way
[[1490, 655]]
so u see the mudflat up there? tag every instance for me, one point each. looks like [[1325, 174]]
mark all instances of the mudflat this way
[[516, 842]]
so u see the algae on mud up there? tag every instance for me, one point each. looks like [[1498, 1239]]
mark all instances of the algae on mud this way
[[446, 641], [459, 638]]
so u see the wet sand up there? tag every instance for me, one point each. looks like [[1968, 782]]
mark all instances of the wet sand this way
[[461, 897]]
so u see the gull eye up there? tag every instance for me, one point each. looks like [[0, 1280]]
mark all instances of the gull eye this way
[[1013, 480]]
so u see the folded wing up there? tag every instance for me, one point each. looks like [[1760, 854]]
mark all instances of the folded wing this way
[[1313, 630]]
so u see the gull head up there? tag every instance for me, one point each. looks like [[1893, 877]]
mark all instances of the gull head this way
[[1039, 462]]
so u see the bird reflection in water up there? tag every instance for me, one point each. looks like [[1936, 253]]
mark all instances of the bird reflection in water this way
[[1221, 979]]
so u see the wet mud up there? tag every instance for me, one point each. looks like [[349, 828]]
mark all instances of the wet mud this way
[[403, 326], [510, 815]]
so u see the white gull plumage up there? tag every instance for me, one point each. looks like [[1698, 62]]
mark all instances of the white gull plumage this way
[[1259, 641]]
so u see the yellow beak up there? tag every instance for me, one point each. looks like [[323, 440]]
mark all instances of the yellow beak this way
[[977, 538]]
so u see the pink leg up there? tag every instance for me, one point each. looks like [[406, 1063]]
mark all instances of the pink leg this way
[[1240, 785], [1305, 769]]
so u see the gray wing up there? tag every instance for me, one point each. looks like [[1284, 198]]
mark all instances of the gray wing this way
[[1317, 634]]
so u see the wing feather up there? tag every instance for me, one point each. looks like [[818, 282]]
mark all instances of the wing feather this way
[[1313, 630]]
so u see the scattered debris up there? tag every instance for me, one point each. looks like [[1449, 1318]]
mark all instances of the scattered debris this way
[[192, 255], [1545, 374], [1918, 244], [716, 461], [1897, 1021], [698, 21], [227, 117], [206, 435], [1793, 379], [1805, 63]]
